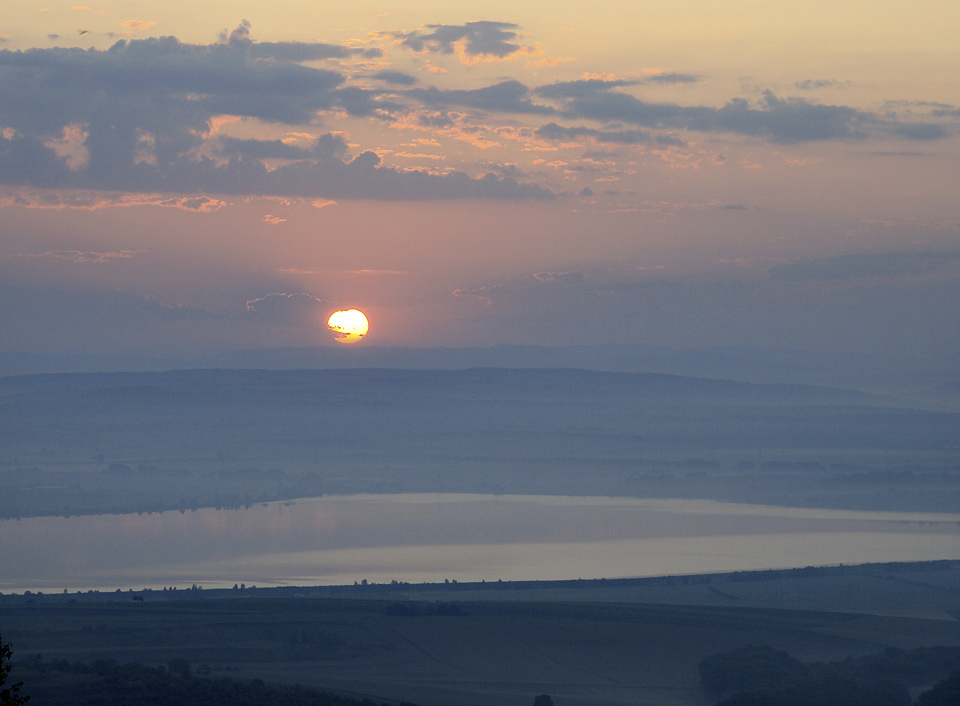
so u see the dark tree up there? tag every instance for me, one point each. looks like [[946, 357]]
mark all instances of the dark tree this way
[[9, 696], [945, 693], [542, 700]]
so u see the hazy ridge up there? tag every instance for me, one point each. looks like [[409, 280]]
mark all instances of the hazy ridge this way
[[147, 441]]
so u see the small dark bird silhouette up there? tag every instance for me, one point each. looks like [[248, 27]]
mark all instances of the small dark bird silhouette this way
[[82, 31]]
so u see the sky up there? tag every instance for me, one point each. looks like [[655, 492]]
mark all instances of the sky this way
[[186, 178]]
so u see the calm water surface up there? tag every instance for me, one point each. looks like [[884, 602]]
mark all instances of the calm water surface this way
[[432, 537]]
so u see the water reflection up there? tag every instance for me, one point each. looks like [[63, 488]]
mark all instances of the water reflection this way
[[431, 537]]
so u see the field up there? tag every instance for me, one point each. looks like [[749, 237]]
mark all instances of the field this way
[[477, 645]]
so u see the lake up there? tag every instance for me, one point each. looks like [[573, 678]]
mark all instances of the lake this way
[[432, 537]]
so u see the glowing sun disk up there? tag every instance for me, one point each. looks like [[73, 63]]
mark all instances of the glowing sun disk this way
[[348, 326]]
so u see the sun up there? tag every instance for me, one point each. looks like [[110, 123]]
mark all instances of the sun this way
[[349, 326]]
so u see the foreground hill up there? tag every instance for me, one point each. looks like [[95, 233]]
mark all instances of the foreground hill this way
[[468, 653], [79, 443]]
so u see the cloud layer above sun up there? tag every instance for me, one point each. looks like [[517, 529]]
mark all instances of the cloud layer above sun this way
[[690, 174], [156, 115]]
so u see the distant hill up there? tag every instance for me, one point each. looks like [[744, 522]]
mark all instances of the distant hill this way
[[869, 372], [251, 435]]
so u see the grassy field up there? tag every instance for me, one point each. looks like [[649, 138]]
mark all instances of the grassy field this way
[[470, 652]]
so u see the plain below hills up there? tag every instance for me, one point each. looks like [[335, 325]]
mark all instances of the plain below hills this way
[[481, 647]]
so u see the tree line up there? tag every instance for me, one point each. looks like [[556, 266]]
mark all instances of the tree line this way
[[763, 676]]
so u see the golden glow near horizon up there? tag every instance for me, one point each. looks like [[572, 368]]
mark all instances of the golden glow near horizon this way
[[349, 326]]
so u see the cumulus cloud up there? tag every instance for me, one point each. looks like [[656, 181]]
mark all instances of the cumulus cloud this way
[[325, 147], [474, 39], [506, 96], [779, 120], [581, 87], [397, 78], [159, 89], [139, 115]]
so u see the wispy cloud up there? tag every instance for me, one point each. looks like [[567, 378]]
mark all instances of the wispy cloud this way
[[97, 200], [85, 256]]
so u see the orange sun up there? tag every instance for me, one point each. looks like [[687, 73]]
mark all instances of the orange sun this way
[[348, 326]]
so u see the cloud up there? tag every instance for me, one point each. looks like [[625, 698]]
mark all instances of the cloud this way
[[552, 131], [918, 131], [560, 277], [947, 112], [813, 84], [139, 25], [900, 318], [202, 204], [395, 77], [507, 96], [581, 87], [160, 85], [511, 170], [325, 147], [86, 256], [139, 117], [779, 120], [866, 265], [308, 51], [95, 200], [81, 320], [299, 309], [674, 78], [900, 153], [474, 39]]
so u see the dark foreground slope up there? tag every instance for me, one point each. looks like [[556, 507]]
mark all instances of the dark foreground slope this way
[[109, 442], [464, 653]]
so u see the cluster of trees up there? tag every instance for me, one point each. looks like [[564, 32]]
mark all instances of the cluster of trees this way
[[107, 683], [946, 693], [764, 676], [9, 695]]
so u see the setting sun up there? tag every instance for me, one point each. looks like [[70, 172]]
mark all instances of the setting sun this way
[[349, 326]]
